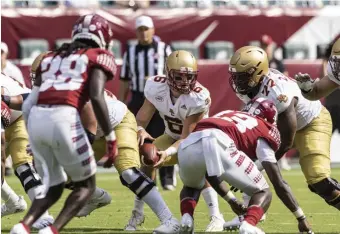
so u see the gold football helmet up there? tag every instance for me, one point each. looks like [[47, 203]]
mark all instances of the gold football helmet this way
[[334, 59], [181, 71], [246, 68], [36, 64]]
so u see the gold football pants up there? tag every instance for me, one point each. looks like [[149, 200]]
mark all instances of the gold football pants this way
[[313, 144], [16, 143], [128, 153]]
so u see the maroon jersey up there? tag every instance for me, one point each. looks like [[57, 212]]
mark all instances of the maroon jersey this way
[[244, 129], [65, 80]]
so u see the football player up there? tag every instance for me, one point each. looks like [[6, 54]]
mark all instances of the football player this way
[[181, 102], [65, 80], [128, 161], [17, 140], [316, 89], [223, 148], [304, 125]]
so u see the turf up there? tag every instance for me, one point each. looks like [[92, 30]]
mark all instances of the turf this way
[[112, 218]]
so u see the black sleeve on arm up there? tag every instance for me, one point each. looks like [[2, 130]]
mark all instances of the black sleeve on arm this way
[[98, 79]]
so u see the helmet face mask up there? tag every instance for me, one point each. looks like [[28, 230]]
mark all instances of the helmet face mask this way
[[242, 82], [182, 81]]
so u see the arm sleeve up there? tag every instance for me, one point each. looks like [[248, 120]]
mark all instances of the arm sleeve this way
[[124, 72], [264, 152]]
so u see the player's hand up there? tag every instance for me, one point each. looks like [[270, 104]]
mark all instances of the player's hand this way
[[111, 153], [143, 135], [162, 156], [238, 207], [305, 82], [304, 226]]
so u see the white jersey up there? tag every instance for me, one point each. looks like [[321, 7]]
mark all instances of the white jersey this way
[[281, 90], [12, 87], [330, 73], [117, 111], [157, 91]]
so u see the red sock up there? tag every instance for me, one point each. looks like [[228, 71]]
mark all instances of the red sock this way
[[188, 206], [26, 227], [253, 215], [54, 229]]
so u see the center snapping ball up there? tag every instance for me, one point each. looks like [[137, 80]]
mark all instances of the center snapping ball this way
[[149, 153]]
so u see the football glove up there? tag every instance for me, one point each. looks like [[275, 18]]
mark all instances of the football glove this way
[[305, 82]]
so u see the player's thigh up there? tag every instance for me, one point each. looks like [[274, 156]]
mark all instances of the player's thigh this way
[[241, 172], [73, 150], [17, 141], [46, 163], [162, 143], [192, 167], [313, 144], [128, 153]]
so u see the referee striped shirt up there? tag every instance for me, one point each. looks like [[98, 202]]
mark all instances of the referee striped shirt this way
[[143, 61]]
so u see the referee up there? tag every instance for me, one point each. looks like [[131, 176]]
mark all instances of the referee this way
[[141, 61]]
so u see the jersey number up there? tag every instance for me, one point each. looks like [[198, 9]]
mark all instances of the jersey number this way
[[175, 125], [63, 73], [242, 121]]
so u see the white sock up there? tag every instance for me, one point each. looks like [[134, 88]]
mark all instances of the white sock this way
[[246, 199], [211, 199], [32, 194], [98, 192], [157, 204], [7, 193], [139, 205]]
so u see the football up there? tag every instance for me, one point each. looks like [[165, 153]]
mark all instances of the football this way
[[5, 114], [149, 153]]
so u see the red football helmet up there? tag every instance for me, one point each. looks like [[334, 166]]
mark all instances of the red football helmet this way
[[262, 108], [93, 27]]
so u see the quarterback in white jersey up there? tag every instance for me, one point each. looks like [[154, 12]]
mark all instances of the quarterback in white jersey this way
[[182, 103], [13, 93], [303, 124], [316, 89]]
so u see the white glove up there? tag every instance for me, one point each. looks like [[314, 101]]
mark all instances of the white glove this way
[[305, 82]]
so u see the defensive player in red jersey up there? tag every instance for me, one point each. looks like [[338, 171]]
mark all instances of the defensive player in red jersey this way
[[65, 80], [223, 148]]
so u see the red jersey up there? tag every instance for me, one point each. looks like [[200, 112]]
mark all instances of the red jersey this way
[[244, 129], [65, 80]]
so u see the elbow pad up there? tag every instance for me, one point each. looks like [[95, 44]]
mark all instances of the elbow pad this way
[[90, 136]]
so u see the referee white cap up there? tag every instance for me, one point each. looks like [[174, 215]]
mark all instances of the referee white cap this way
[[145, 21]]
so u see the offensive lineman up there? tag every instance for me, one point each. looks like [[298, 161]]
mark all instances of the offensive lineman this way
[[181, 102], [316, 89], [66, 79], [223, 148], [16, 141], [303, 124]]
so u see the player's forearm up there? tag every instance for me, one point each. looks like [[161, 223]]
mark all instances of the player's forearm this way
[[15, 102], [123, 91], [102, 114], [284, 192], [321, 89]]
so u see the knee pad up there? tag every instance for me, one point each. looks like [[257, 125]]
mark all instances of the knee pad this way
[[137, 182], [28, 177], [325, 189]]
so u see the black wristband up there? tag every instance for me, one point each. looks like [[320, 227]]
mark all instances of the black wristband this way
[[90, 136], [6, 99], [303, 217]]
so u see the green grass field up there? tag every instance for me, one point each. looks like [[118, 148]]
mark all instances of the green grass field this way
[[112, 218]]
